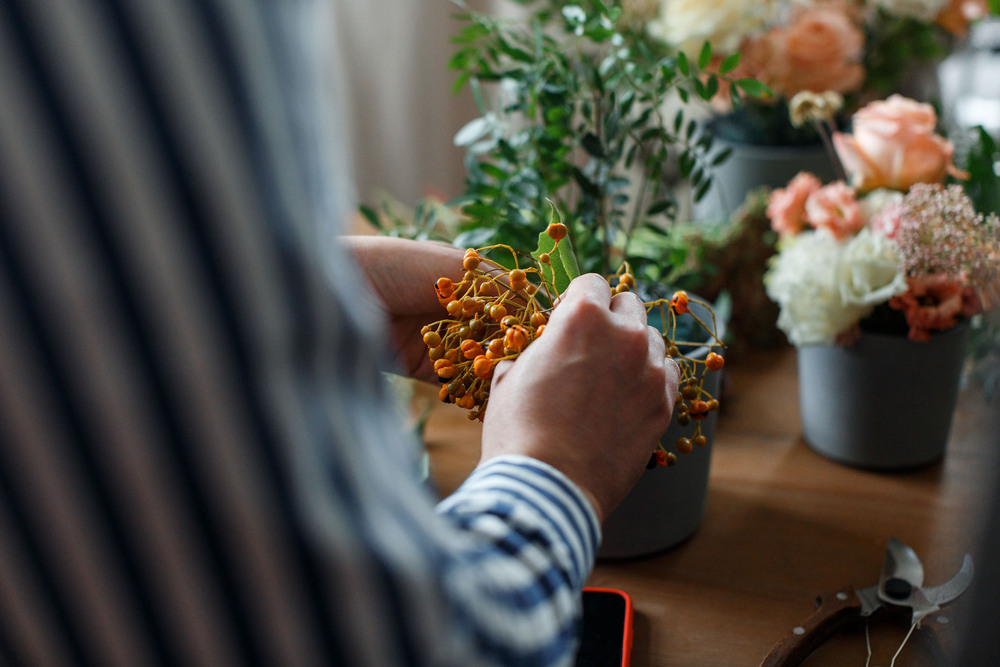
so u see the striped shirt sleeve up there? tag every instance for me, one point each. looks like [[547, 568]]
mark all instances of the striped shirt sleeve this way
[[198, 461]]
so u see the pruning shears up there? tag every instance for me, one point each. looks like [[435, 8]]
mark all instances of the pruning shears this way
[[900, 585]]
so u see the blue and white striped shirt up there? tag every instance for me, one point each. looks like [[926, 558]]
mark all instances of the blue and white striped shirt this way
[[198, 464]]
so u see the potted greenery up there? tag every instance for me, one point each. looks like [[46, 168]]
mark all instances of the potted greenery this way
[[573, 99]]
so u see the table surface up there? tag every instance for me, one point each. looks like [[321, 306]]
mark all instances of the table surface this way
[[783, 525]]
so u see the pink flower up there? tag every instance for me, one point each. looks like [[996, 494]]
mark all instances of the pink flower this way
[[932, 303], [820, 49], [823, 49], [894, 146], [834, 208], [886, 222], [786, 207]]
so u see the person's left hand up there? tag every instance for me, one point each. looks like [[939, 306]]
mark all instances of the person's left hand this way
[[402, 274]]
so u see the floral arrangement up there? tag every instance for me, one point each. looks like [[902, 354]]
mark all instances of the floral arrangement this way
[[861, 49], [495, 312], [892, 249]]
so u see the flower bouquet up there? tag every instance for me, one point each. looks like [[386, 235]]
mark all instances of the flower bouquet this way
[[876, 277], [861, 49]]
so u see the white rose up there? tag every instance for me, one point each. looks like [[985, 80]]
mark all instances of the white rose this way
[[804, 280], [922, 10], [825, 285], [876, 200], [870, 271], [687, 24]]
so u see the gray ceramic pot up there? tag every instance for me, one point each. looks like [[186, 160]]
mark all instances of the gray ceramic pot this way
[[668, 503], [750, 167], [884, 403]]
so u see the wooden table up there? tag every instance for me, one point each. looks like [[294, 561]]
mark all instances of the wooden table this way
[[783, 525]]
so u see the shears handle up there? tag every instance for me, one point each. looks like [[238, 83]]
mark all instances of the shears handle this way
[[833, 610]]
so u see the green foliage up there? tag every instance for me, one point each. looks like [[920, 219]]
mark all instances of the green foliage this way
[[572, 103], [983, 162], [894, 45], [563, 266]]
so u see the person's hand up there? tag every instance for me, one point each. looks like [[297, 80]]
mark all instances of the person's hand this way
[[402, 274], [591, 396]]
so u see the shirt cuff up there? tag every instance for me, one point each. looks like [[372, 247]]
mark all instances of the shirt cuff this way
[[558, 506]]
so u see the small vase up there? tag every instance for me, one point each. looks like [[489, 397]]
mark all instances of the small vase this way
[[668, 503], [884, 402], [752, 166]]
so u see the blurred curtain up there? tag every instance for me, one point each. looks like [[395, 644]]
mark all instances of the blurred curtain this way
[[402, 116]]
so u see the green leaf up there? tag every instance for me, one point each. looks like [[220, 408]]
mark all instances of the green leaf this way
[[705, 56], [753, 87], [730, 63], [371, 216], [563, 266], [592, 144], [682, 64]]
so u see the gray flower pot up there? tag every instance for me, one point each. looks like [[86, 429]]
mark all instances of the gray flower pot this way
[[750, 167], [668, 503], [885, 402]]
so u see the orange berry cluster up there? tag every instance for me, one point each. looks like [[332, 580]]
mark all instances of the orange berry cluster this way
[[495, 312]]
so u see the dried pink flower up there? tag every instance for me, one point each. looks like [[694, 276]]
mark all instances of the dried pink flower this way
[[940, 232]]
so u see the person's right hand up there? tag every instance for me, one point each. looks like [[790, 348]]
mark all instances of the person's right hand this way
[[591, 396]]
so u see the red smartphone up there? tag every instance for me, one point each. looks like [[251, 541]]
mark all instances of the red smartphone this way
[[606, 640]]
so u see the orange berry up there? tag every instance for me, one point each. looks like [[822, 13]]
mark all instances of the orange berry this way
[[471, 261], [516, 338], [495, 348], [713, 405], [714, 362], [482, 367], [471, 348], [700, 440], [454, 307], [544, 258], [699, 409], [538, 319], [444, 287], [556, 231], [445, 369], [471, 306], [497, 312], [680, 302], [518, 279], [684, 445], [661, 458]]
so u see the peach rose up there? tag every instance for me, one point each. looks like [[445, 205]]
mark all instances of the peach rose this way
[[894, 146], [823, 49], [834, 208], [786, 207]]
